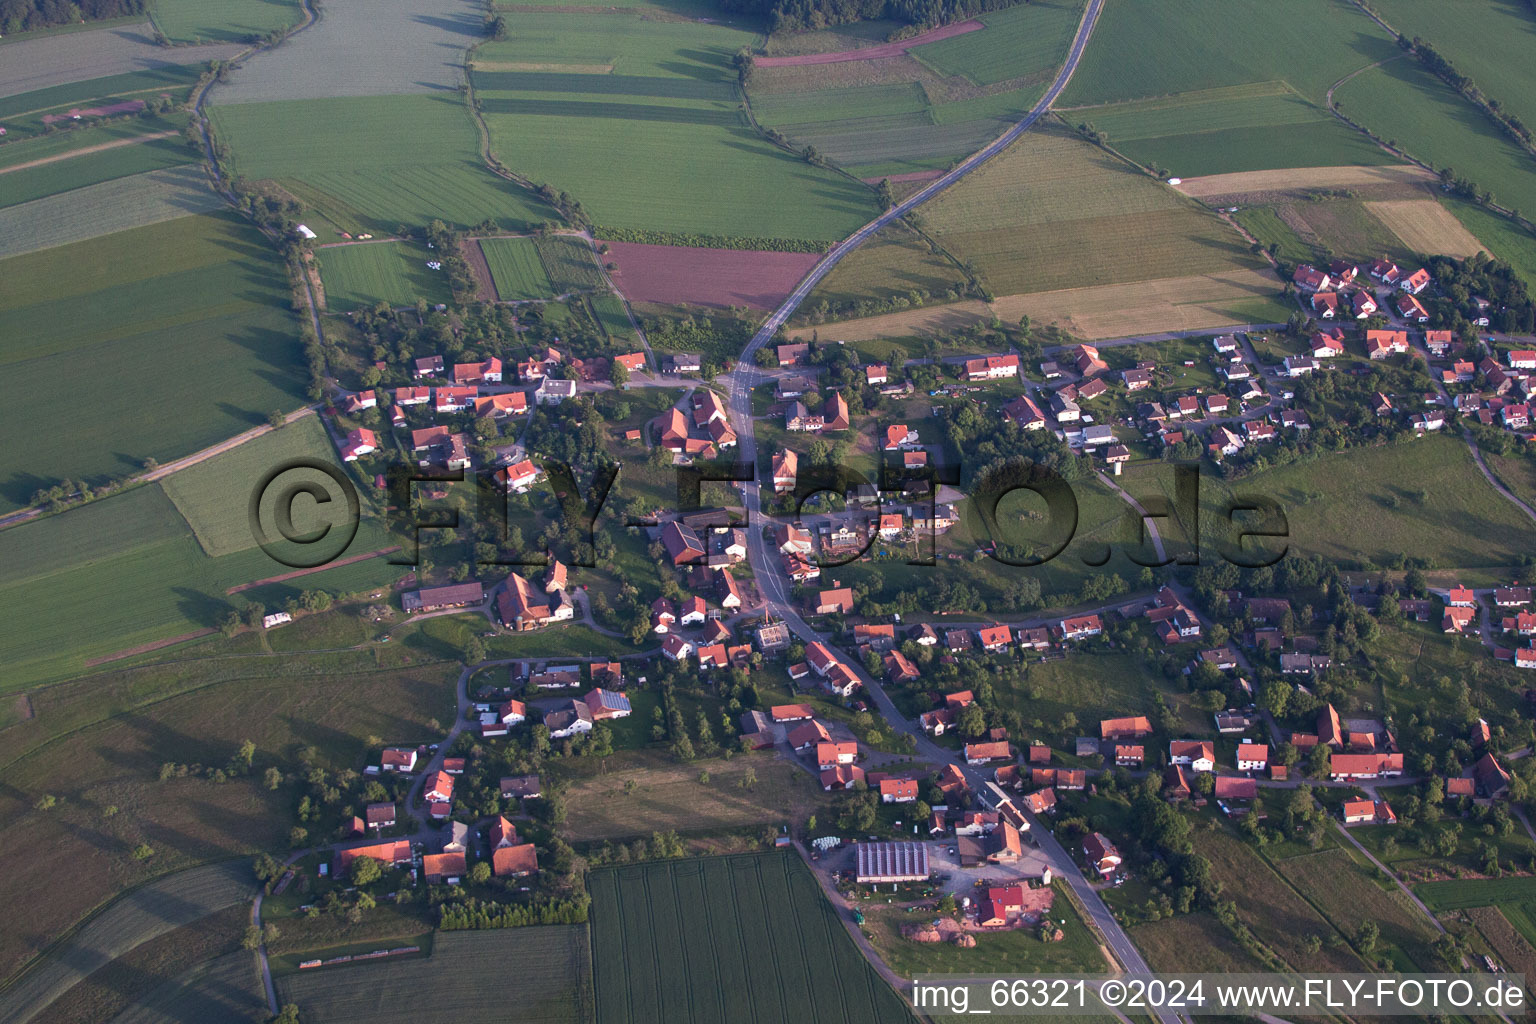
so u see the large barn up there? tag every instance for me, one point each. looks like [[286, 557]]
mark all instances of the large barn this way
[[892, 862]]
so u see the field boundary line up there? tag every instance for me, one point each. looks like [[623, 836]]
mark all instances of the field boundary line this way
[[86, 151]]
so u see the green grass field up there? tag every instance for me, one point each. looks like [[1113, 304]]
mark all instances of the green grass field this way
[[612, 318], [670, 92], [745, 938], [23, 111], [1090, 220], [569, 263], [1458, 894], [1402, 102], [516, 268], [553, 981], [357, 276], [188, 315], [213, 496], [68, 171], [347, 159], [895, 262], [1505, 239], [1488, 41], [1018, 40], [108, 207], [221, 21]]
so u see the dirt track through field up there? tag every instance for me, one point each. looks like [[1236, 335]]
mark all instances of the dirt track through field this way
[[99, 147], [153, 645], [307, 572], [959, 28], [485, 282], [1426, 226], [1284, 179]]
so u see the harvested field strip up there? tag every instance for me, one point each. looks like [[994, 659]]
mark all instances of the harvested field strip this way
[[1265, 103], [137, 917], [516, 269], [929, 320], [526, 65], [64, 145], [873, 52], [153, 645], [1297, 178], [1426, 227], [552, 981], [714, 277], [606, 110], [55, 64], [101, 209], [1256, 147], [301, 573]]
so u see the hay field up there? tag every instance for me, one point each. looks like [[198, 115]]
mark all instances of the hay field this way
[[1169, 304], [225, 21], [372, 272], [137, 917], [1055, 212], [214, 496], [659, 144], [1241, 183], [108, 207], [188, 318], [342, 54], [908, 323], [551, 966], [1427, 227], [372, 163], [56, 60]]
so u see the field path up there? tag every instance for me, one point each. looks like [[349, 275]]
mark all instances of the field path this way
[[305, 572], [99, 147]]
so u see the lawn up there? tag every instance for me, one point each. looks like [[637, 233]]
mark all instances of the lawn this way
[[552, 965], [214, 496], [373, 163], [137, 917], [670, 91], [667, 795], [1089, 217], [223, 21], [1363, 506], [1458, 894], [366, 274], [77, 171], [1416, 661], [1010, 953], [1266, 225], [1405, 104], [516, 268], [745, 938], [123, 726], [193, 312], [1517, 472]]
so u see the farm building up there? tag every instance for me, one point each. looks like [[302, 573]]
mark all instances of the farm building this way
[[892, 862]]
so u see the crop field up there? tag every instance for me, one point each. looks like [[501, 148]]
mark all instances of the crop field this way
[[1090, 218], [88, 58], [671, 91], [1298, 182], [213, 496], [103, 209], [120, 157], [608, 309], [1169, 304], [710, 277], [139, 916], [1345, 226], [345, 158], [746, 938], [670, 796], [1426, 227], [224, 21], [569, 262], [339, 55], [225, 989], [551, 965], [1505, 239], [75, 567], [1402, 101], [516, 268], [210, 307], [1489, 41], [1230, 129], [1364, 505], [1512, 946], [368, 273], [1343, 892], [1458, 894], [121, 727], [895, 262], [135, 975], [1016, 40], [1146, 50]]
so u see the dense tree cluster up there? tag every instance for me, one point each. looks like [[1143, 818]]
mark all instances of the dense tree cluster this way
[[794, 15], [26, 15], [1459, 282]]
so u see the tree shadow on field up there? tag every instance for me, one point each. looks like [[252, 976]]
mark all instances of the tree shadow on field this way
[[18, 488], [458, 24], [200, 608], [240, 415], [706, 66]]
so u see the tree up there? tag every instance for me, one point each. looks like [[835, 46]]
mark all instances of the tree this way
[[275, 419], [251, 940], [143, 851], [1367, 937], [972, 721], [887, 197], [290, 1015], [619, 374], [1275, 697], [247, 755], [366, 871], [480, 873]]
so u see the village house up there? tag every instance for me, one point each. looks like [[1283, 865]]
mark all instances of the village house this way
[[1125, 728], [898, 791], [1415, 282], [1196, 755], [1252, 757], [358, 443], [1367, 812], [1101, 854], [398, 759], [992, 368], [1382, 343]]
